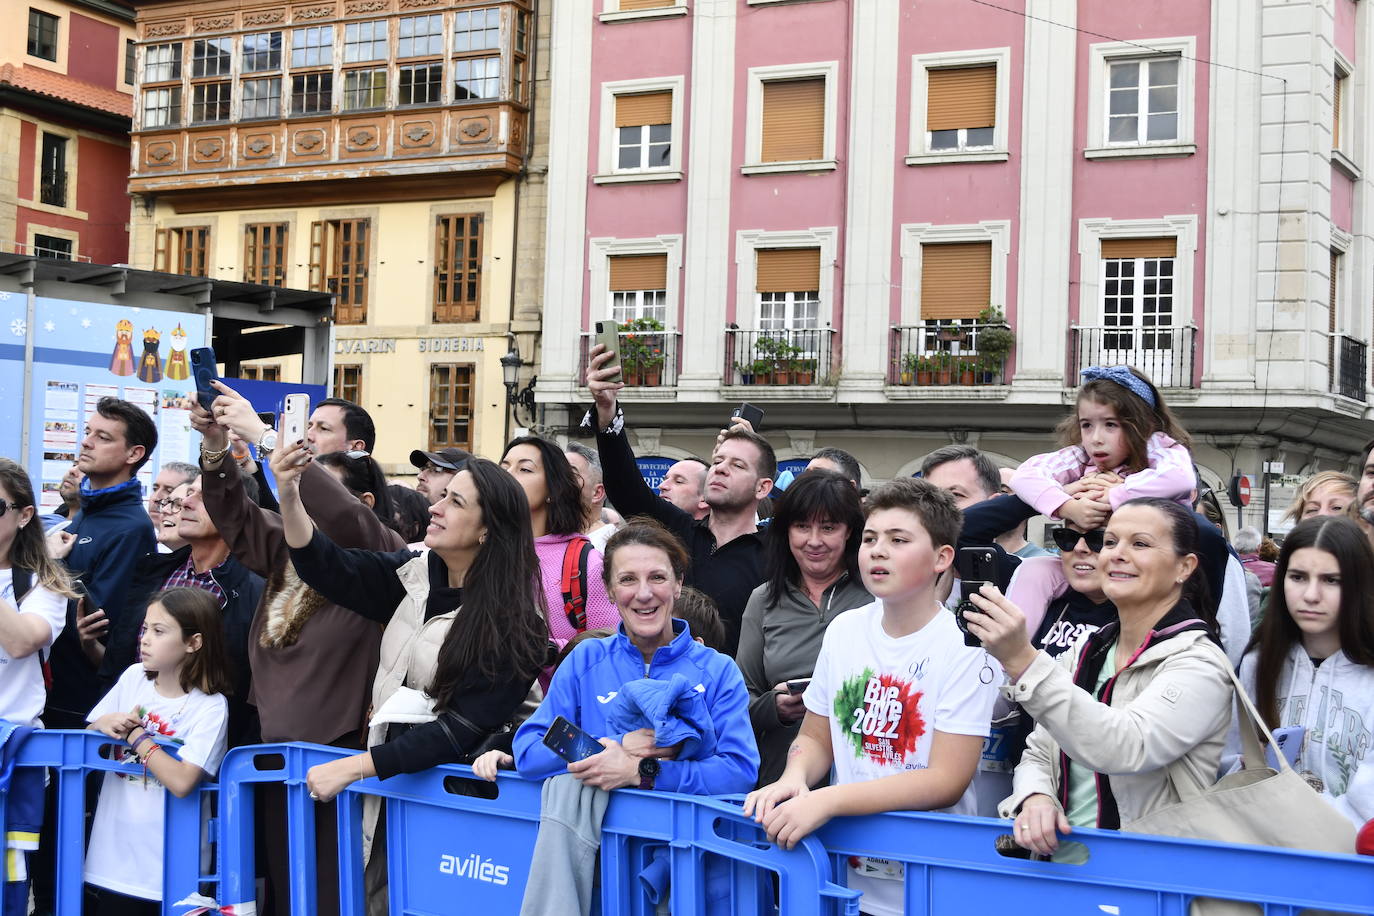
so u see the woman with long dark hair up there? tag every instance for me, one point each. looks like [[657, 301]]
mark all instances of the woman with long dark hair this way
[[569, 567], [1310, 665], [470, 670], [811, 556], [1126, 702]]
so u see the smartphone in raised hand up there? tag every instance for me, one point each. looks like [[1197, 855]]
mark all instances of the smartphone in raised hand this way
[[608, 335]]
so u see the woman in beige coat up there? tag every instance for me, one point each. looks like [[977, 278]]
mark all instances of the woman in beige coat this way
[[1124, 703]]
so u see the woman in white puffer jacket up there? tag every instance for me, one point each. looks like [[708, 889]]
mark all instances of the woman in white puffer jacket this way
[[1311, 663]]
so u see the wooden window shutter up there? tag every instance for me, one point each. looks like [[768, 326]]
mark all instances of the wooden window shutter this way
[[1140, 248], [956, 279], [1337, 92], [162, 259], [793, 120], [961, 97], [644, 108], [317, 255], [631, 272], [629, 5], [788, 270]]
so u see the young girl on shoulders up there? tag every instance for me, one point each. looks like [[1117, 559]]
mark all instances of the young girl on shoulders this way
[[1120, 442], [176, 695], [1310, 666]]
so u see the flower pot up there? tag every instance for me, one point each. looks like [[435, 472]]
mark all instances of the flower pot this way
[[924, 377], [762, 378], [746, 378], [804, 377], [782, 376], [653, 377], [951, 335], [905, 378], [632, 376], [942, 376], [966, 377]]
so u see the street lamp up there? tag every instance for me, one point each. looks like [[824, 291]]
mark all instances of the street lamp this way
[[510, 377]]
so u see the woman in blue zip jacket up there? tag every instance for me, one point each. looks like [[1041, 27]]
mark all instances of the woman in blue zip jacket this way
[[644, 568]]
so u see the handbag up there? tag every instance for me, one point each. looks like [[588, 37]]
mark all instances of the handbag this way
[[1255, 805]]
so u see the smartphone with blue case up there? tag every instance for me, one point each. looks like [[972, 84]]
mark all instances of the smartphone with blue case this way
[[570, 742], [204, 371]]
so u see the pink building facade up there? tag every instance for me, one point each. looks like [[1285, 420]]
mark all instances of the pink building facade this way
[[897, 224]]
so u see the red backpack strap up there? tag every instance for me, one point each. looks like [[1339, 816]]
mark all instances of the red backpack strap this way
[[573, 582]]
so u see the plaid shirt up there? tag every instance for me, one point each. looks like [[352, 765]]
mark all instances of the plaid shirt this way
[[185, 576]]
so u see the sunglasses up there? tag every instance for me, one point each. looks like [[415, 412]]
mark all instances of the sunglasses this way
[[1066, 538], [5, 507]]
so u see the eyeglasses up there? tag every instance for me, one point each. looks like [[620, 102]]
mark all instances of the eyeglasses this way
[[1066, 538], [169, 505], [5, 507]]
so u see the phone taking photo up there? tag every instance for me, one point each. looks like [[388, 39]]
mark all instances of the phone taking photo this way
[[570, 742], [294, 418], [749, 412], [204, 371], [608, 335], [976, 567]]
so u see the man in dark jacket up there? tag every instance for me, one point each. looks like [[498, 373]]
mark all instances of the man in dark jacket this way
[[204, 563], [727, 553], [106, 539]]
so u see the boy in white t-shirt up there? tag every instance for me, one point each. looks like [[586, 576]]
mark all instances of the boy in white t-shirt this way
[[898, 705]]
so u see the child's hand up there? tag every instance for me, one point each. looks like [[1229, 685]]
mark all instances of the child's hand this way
[[486, 765], [115, 724], [1087, 514], [795, 819], [759, 803]]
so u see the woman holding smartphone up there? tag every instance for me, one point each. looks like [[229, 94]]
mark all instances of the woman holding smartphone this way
[[1310, 666], [643, 572]]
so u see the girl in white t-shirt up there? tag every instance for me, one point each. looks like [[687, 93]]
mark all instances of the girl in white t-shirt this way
[[176, 695]]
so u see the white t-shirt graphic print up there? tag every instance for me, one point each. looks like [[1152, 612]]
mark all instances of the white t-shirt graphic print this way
[[885, 698]]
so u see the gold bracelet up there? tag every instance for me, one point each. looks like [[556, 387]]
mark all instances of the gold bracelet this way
[[212, 457]]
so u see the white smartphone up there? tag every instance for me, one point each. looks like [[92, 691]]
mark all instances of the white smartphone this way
[[294, 418]]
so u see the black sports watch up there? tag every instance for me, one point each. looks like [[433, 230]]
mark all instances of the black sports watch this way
[[648, 770]]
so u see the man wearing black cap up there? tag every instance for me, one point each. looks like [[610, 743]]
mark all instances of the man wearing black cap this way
[[436, 470]]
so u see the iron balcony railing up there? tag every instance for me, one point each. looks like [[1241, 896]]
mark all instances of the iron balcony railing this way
[[955, 352], [1348, 367], [797, 356], [1166, 354], [648, 359], [52, 190]]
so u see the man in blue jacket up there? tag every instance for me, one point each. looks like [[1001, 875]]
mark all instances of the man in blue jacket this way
[[107, 538]]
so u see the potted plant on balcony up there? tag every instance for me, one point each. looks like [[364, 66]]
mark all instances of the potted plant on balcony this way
[[994, 342], [777, 353], [966, 371], [641, 351], [746, 373], [803, 370], [951, 333], [908, 371], [944, 367], [925, 370], [761, 369]]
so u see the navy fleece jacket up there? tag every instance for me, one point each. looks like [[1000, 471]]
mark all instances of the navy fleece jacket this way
[[589, 678]]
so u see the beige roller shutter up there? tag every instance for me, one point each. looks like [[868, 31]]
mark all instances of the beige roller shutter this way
[[643, 108], [628, 5], [962, 97], [630, 272], [1140, 248], [788, 270], [793, 120], [956, 279]]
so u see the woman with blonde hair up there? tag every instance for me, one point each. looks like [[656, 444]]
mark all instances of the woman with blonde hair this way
[[1324, 493]]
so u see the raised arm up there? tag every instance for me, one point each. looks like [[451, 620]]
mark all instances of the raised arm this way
[[340, 515], [253, 533], [1169, 476]]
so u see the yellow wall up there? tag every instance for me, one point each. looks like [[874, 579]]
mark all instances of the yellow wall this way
[[395, 384]]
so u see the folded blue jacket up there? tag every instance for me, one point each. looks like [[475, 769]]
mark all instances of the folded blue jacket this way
[[593, 676], [675, 709]]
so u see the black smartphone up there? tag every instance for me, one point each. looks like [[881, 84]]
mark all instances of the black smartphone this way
[[570, 742], [799, 685], [976, 567], [608, 335], [204, 372], [749, 412]]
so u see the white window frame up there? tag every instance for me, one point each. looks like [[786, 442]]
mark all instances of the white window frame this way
[[1100, 58], [611, 12], [747, 244], [607, 157], [1345, 155], [918, 152], [1091, 232], [1341, 243], [599, 254], [753, 130], [914, 235]]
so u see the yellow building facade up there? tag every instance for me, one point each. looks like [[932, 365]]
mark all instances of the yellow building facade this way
[[413, 206]]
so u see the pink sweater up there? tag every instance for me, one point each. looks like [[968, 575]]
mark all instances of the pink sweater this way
[[1040, 480], [600, 611]]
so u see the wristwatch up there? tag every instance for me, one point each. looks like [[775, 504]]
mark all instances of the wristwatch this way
[[648, 769], [267, 441]]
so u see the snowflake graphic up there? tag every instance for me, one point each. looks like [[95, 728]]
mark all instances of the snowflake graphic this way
[[19, 327], [72, 312], [49, 326], [85, 322]]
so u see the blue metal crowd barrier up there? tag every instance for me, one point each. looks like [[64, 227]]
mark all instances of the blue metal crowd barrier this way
[[456, 844], [70, 757]]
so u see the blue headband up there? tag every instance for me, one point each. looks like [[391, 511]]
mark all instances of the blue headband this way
[[1123, 377]]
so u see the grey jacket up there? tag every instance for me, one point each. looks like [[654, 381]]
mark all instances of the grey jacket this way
[[780, 643]]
